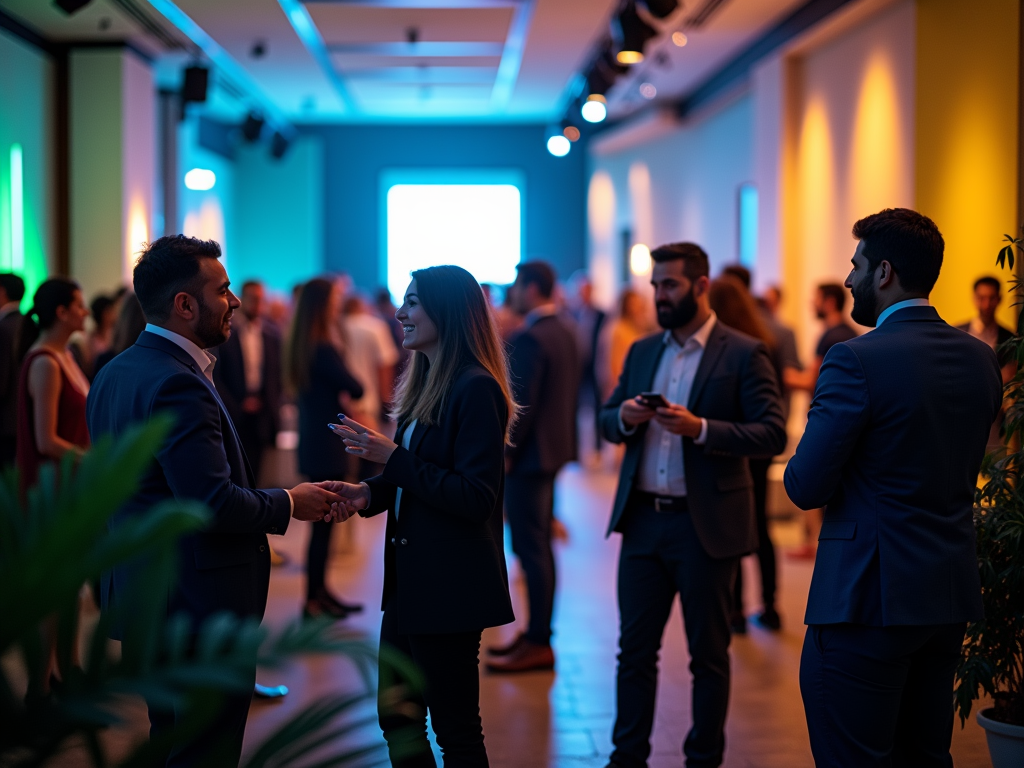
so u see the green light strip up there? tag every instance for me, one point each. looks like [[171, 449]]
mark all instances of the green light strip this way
[[17, 210]]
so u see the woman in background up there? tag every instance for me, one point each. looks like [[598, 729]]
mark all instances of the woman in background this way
[[445, 577], [52, 388], [317, 374], [735, 307], [131, 322], [630, 325]]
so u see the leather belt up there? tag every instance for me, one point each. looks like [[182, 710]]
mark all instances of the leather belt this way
[[662, 503]]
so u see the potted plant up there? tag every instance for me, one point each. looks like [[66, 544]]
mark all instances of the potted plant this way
[[54, 540], [992, 663]]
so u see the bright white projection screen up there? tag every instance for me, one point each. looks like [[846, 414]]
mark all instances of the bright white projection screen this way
[[477, 226]]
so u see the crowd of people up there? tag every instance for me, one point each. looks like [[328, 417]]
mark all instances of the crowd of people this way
[[454, 413]]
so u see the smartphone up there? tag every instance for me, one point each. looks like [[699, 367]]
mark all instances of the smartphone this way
[[653, 400]]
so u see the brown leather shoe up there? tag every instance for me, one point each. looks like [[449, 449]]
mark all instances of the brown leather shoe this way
[[505, 650], [528, 657]]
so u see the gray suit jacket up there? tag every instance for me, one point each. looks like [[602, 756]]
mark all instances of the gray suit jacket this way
[[736, 390]]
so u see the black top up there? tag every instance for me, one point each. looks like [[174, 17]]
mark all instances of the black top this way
[[444, 557], [892, 448], [322, 455], [10, 334], [543, 360], [834, 335]]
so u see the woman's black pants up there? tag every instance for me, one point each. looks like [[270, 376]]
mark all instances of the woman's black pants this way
[[449, 664]]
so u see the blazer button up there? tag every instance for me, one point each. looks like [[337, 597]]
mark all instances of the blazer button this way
[[392, 541], [404, 542], [263, 548], [273, 530]]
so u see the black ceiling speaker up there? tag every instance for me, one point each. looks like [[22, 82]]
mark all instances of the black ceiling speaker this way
[[71, 6], [196, 80], [631, 33], [252, 127], [661, 9], [278, 146]]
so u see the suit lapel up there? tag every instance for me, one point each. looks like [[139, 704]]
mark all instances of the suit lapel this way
[[715, 346]]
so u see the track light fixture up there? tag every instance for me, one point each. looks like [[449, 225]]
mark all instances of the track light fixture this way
[[660, 9], [278, 146], [631, 33], [196, 80], [71, 6], [252, 127]]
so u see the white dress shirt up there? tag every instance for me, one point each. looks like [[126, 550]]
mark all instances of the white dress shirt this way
[[901, 305], [250, 338], [406, 440], [662, 470], [204, 360]]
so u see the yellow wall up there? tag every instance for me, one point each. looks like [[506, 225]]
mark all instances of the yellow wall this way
[[968, 65]]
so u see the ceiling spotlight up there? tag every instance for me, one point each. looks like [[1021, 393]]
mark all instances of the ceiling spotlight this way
[[660, 9], [200, 179], [259, 49], [559, 146], [194, 87], [679, 39], [595, 108], [631, 33], [252, 127], [71, 6], [571, 132], [278, 146], [648, 91]]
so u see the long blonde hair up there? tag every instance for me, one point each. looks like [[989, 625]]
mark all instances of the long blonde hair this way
[[467, 334]]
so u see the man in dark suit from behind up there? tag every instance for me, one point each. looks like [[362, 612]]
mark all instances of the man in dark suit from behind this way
[[685, 501], [186, 296], [248, 376], [892, 450], [543, 359], [12, 291]]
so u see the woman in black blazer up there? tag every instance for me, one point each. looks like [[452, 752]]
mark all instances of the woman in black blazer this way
[[443, 482], [317, 374]]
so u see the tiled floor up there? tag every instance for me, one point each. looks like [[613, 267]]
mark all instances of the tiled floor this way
[[563, 719]]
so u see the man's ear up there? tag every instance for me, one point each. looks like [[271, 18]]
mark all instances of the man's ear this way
[[701, 285], [185, 306], [886, 275]]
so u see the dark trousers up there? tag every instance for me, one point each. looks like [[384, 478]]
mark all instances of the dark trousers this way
[[8, 450], [661, 556], [765, 548], [880, 696], [530, 508], [316, 556], [449, 664], [218, 745]]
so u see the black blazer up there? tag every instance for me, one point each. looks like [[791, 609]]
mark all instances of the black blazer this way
[[322, 455], [229, 376], [544, 363], [10, 336], [444, 557], [737, 391], [227, 566], [892, 449]]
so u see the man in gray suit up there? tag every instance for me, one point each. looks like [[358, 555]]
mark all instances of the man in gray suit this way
[[685, 503]]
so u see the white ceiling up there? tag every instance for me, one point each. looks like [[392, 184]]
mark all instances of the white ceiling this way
[[496, 60]]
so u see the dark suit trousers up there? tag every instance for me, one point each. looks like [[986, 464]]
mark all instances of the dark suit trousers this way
[[880, 696], [661, 556], [765, 548], [218, 745], [8, 450], [530, 508], [450, 665]]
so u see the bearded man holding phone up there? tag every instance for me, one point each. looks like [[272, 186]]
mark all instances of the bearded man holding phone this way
[[685, 502]]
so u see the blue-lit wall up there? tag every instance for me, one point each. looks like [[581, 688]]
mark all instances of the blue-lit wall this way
[[354, 156]]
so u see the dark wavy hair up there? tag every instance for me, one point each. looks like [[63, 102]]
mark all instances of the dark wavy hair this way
[[50, 296], [167, 267]]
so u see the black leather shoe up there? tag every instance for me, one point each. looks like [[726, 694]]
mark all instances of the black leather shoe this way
[[331, 602], [505, 650], [770, 620]]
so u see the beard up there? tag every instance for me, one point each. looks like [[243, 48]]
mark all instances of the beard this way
[[671, 316], [210, 328], [865, 303]]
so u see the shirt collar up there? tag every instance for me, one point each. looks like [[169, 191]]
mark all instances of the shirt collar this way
[[544, 310], [203, 359], [700, 336], [9, 307], [898, 306]]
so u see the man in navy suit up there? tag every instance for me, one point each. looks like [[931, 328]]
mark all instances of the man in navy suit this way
[[892, 450], [184, 291]]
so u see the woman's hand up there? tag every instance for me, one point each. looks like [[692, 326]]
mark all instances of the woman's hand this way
[[355, 496], [362, 441]]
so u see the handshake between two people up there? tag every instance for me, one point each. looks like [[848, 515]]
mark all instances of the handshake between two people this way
[[677, 419], [334, 500]]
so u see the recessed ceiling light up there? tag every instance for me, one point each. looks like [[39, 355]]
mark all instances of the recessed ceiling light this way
[[200, 179], [594, 110], [648, 91], [559, 146], [679, 39]]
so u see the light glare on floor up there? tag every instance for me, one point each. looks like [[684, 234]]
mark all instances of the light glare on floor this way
[[200, 179]]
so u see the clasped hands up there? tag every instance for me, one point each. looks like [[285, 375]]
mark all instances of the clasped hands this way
[[674, 418]]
